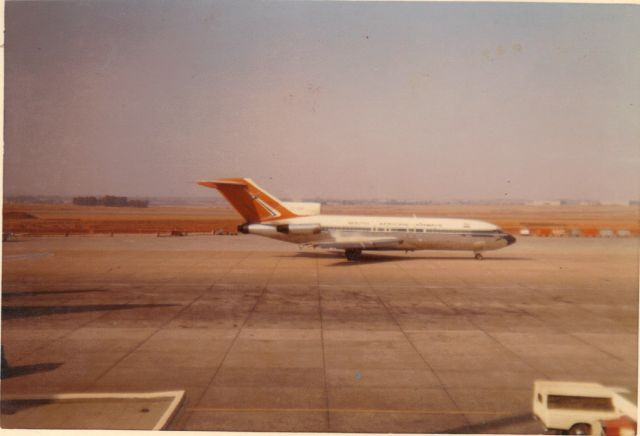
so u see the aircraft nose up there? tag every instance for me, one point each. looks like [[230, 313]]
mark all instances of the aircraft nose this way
[[510, 239]]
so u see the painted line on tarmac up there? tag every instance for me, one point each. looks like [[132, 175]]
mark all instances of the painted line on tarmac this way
[[415, 411], [25, 256], [176, 397]]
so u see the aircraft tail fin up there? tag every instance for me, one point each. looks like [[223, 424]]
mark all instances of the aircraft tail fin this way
[[252, 202]]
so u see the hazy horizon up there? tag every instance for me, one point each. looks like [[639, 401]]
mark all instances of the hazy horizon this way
[[406, 101], [213, 198]]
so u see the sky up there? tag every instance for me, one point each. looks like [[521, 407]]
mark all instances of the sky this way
[[341, 100]]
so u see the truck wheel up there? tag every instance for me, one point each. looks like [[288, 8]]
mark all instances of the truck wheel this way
[[580, 428]]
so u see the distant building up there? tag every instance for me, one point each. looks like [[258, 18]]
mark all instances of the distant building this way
[[86, 201], [543, 232], [590, 232], [614, 203], [544, 203], [589, 203], [606, 233], [109, 200]]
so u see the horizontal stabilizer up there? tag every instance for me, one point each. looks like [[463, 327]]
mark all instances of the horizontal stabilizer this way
[[301, 208], [217, 183]]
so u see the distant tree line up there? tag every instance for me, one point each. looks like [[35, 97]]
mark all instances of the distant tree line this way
[[109, 200], [35, 199]]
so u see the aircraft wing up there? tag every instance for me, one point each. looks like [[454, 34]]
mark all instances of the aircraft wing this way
[[360, 242]]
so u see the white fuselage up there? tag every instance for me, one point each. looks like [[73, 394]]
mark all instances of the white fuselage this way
[[414, 232]]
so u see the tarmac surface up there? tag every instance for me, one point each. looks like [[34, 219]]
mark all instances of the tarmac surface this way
[[263, 337]]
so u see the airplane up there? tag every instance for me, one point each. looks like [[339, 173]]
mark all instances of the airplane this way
[[302, 223]]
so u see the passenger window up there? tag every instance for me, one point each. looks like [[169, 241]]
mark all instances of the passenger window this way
[[579, 403]]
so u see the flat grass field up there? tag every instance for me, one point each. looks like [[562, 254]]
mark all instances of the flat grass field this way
[[67, 218]]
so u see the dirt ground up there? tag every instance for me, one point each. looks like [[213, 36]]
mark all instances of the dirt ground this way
[[61, 219]]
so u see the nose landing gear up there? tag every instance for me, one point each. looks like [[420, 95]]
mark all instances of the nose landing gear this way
[[479, 256]]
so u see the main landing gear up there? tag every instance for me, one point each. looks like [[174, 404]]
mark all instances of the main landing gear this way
[[353, 253], [479, 256]]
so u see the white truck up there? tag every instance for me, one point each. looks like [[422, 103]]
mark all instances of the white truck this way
[[579, 408]]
